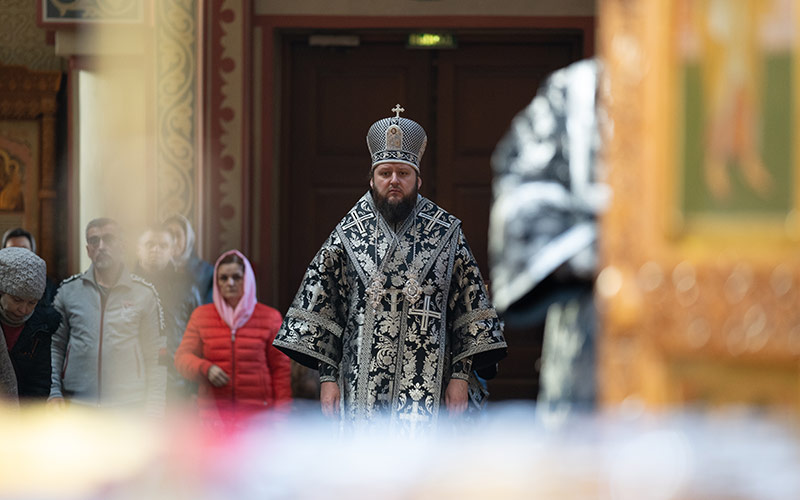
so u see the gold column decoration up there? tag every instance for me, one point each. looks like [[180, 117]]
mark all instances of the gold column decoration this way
[[621, 45], [176, 97]]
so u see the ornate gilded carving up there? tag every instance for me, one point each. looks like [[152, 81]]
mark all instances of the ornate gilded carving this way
[[722, 297], [28, 95], [176, 69], [11, 175], [619, 41]]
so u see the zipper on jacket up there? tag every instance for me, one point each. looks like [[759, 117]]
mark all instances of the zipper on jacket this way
[[33, 348], [233, 366], [103, 301]]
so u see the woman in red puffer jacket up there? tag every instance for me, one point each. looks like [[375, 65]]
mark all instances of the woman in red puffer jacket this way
[[227, 347]]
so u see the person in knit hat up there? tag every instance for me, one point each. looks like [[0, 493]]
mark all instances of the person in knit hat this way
[[19, 237], [26, 323]]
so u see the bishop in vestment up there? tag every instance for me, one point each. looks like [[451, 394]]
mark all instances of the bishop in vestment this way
[[392, 310]]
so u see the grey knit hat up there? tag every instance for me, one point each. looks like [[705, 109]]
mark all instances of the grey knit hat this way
[[22, 273]]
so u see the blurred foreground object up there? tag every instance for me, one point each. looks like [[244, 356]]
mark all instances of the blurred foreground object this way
[[83, 454], [700, 246], [543, 231]]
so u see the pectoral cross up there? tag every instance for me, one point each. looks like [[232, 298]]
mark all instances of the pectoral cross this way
[[375, 291], [396, 297], [397, 109], [426, 312], [358, 221]]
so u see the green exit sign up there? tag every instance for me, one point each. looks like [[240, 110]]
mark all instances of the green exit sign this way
[[431, 41]]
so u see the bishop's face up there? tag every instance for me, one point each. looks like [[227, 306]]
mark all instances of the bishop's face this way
[[394, 190]]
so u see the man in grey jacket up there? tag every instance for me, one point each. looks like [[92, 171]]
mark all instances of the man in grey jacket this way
[[106, 351]]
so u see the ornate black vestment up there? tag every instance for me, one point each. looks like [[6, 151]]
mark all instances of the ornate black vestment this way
[[391, 315]]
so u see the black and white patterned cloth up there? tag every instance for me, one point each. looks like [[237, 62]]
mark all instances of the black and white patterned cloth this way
[[393, 352], [546, 191], [543, 232]]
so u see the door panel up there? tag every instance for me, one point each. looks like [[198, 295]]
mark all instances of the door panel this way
[[336, 94], [482, 85]]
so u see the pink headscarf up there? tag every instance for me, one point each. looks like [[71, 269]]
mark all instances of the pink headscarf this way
[[235, 318]]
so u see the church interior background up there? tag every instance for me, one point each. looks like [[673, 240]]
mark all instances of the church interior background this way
[[248, 117]]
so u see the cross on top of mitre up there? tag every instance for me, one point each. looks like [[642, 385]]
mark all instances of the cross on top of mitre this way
[[397, 109]]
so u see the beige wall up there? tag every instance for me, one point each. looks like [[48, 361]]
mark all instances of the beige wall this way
[[426, 7], [113, 142]]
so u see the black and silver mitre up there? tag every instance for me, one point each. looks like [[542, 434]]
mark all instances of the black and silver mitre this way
[[396, 139]]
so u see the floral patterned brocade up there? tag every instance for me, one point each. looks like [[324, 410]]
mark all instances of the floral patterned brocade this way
[[393, 360]]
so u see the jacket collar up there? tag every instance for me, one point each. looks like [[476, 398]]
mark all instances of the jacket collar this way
[[124, 277]]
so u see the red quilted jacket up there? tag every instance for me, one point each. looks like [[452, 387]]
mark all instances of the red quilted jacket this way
[[259, 373]]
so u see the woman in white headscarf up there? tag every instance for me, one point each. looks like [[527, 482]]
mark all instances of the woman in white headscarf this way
[[197, 272]]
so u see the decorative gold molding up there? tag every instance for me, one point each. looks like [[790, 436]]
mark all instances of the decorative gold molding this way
[[27, 94], [620, 44], [721, 297]]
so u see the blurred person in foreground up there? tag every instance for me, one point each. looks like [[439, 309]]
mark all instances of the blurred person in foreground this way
[[393, 310], [106, 351], [193, 271], [227, 348], [27, 322], [543, 231], [19, 237], [154, 252]]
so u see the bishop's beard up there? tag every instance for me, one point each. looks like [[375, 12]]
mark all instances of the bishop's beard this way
[[395, 212]]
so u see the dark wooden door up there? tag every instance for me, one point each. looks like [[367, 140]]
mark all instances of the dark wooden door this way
[[335, 94], [465, 99]]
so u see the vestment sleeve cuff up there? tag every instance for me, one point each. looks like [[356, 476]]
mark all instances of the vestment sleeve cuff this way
[[461, 369], [327, 373]]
